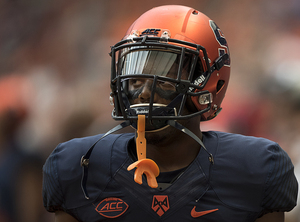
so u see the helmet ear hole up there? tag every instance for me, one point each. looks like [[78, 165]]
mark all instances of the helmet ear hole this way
[[220, 85]]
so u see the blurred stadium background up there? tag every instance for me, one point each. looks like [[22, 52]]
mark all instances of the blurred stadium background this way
[[55, 70]]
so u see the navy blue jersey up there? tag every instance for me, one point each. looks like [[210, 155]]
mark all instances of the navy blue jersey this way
[[250, 177]]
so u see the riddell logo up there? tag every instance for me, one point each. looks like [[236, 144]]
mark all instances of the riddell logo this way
[[160, 204], [111, 207]]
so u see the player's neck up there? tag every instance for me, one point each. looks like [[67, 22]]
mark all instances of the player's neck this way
[[178, 153]]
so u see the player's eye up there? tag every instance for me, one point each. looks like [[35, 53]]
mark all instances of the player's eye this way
[[165, 85], [136, 82]]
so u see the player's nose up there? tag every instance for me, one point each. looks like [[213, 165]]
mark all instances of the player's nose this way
[[145, 95]]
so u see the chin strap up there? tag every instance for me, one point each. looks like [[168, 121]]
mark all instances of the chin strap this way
[[84, 162], [183, 129]]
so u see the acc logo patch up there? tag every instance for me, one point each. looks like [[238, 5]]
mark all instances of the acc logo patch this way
[[111, 207], [150, 32], [160, 204]]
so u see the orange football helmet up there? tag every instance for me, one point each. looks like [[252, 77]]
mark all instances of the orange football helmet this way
[[184, 53]]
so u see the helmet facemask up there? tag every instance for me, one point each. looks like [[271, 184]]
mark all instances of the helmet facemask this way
[[168, 72]]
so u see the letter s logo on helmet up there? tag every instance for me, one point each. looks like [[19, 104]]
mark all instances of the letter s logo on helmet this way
[[176, 38]]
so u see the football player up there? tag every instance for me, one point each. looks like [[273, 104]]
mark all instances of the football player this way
[[169, 72]]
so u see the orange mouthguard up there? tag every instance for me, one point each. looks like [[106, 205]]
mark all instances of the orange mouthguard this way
[[143, 165]]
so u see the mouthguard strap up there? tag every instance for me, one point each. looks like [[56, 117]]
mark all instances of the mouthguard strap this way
[[143, 166], [141, 140]]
